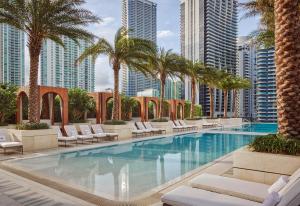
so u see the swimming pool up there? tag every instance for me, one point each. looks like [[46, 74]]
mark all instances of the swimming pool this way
[[254, 127], [125, 171]]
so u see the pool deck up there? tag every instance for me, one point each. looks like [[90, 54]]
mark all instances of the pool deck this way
[[55, 194]]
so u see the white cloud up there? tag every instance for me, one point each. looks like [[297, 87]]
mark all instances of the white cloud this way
[[107, 20], [164, 34]]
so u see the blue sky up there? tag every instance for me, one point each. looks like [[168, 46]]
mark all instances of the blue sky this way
[[168, 30]]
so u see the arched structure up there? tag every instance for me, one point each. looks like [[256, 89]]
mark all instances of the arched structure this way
[[48, 94], [174, 103], [144, 102]]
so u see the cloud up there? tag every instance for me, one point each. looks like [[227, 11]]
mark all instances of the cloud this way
[[164, 34], [107, 20]]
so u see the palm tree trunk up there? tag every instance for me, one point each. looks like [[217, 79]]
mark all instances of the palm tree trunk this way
[[193, 98], [116, 102], [211, 102], [234, 103], [162, 96], [225, 103], [34, 102], [287, 44]]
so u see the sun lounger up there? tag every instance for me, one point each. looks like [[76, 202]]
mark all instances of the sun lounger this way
[[177, 128], [138, 133], [176, 122], [97, 129], [289, 195], [140, 126], [149, 126], [193, 127], [86, 130], [63, 139], [206, 124], [72, 132], [7, 143]]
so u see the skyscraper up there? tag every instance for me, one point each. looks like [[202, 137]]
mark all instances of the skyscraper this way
[[139, 16], [208, 34], [246, 68], [58, 66], [266, 86], [12, 49]]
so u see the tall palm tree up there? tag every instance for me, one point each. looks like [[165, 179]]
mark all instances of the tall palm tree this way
[[238, 83], [166, 64], [45, 19], [126, 51], [226, 84], [287, 44], [194, 72]]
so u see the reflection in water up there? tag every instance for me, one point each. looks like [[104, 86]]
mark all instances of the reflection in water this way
[[125, 171]]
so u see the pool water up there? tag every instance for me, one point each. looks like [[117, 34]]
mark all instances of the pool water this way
[[255, 127], [125, 171]]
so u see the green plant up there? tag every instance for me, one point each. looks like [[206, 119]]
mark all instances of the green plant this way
[[41, 20], [79, 104], [114, 122], [194, 118], [160, 120], [8, 99], [276, 144], [127, 105], [187, 111], [32, 126]]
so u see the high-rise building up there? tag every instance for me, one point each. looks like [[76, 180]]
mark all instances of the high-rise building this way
[[266, 86], [58, 68], [246, 68], [12, 55], [139, 16], [208, 34]]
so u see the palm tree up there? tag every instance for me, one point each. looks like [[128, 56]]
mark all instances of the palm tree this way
[[226, 84], [126, 51], [194, 72], [166, 64], [211, 78], [45, 19], [238, 83], [287, 44]]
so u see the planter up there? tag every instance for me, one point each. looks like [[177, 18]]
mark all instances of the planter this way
[[91, 120], [163, 125], [10, 126], [124, 131], [263, 167], [34, 140], [230, 121]]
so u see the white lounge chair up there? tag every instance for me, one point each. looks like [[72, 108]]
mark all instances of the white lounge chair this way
[[193, 127], [141, 127], [97, 129], [137, 132], [86, 130], [7, 143], [177, 128], [206, 124], [289, 195], [72, 132], [177, 123], [62, 138], [148, 125]]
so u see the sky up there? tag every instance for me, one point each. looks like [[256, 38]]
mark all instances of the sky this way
[[168, 30]]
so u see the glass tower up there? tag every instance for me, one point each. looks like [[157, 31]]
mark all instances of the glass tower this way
[[12, 55], [58, 68], [208, 34]]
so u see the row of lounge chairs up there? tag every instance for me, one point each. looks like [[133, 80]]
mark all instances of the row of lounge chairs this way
[[213, 190], [7, 142], [145, 128], [180, 126], [88, 134]]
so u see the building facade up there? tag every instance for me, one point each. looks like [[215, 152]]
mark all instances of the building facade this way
[[139, 16], [246, 68], [12, 55], [58, 68], [266, 86], [208, 34]]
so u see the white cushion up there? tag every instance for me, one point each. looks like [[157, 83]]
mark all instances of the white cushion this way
[[99, 135], [2, 138], [10, 144], [279, 184], [111, 134], [188, 196], [67, 138], [230, 186], [272, 199], [290, 194], [137, 131], [84, 136]]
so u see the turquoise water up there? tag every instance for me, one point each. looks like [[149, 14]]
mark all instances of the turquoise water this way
[[255, 127], [124, 171]]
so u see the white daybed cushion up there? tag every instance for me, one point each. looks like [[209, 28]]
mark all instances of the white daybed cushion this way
[[10, 144], [188, 196], [67, 138], [279, 184], [272, 199], [230, 186], [290, 194]]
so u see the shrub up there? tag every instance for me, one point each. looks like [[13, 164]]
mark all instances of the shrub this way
[[32, 126], [276, 144], [195, 118], [8, 105], [127, 105], [114, 122], [187, 110], [160, 120]]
